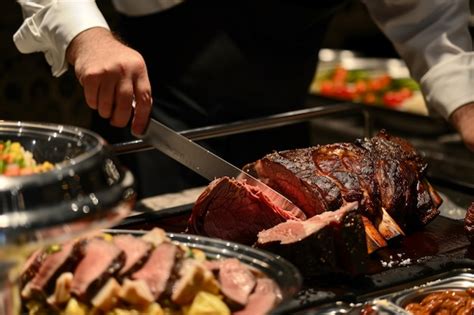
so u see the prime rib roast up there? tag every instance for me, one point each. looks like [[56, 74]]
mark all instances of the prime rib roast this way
[[354, 198]]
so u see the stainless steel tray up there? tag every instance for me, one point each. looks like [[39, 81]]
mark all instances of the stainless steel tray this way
[[393, 303], [452, 280]]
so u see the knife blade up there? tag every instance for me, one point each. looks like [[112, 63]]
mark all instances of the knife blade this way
[[204, 162]]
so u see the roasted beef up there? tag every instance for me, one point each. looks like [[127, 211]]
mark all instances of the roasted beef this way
[[230, 209], [399, 173], [61, 259], [237, 281], [469, 223], [157, 270], [102, 259], [330, 242], [136, 252], [384, 175], [262, 300]]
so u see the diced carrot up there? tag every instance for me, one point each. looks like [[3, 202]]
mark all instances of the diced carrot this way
[[12, 170], [9, 158], [26, 171]]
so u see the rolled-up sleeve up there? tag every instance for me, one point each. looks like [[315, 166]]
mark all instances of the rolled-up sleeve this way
[[49, 27], [432, 36]]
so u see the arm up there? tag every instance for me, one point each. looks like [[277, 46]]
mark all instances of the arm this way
[[111, 73], [432, 36]]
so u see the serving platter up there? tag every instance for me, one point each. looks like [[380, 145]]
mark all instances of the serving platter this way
[[285, 278], [286, 275]]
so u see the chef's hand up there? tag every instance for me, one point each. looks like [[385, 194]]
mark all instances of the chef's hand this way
[[112, 75], [463, 120]]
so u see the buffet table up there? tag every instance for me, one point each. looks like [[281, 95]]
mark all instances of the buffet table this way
[[439, 251]]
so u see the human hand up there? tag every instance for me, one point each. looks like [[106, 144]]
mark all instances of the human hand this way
[[463, 120], [113, 76]]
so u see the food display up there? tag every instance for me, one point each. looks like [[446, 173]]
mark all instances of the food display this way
[[353, 198], [15, 160], [385, 83], [124, 274]]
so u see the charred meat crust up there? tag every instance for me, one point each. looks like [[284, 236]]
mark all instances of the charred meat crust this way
[[469, 222]]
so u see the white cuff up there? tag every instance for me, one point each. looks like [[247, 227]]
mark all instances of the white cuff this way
[[450, 84], [52, 28]]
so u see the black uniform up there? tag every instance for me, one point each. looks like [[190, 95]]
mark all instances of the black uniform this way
[[216, 61]]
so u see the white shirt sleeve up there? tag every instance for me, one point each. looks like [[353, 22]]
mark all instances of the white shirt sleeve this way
[[50, 25], [432, 37]]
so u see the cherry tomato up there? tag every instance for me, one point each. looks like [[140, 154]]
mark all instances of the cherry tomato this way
[[374, 85], [361, 86], [405, 92], [384, 80], [392, 99], [340, 74], [327, 88], [369, 98]]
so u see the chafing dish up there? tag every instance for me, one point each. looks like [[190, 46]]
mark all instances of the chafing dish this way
[[88, 189]]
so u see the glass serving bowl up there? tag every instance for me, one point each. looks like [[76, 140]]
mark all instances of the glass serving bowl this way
[[88, 189]]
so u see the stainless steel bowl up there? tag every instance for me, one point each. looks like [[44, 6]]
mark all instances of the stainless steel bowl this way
[[88, 189]]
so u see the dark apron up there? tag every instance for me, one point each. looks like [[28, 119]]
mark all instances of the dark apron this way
[[214, 61]]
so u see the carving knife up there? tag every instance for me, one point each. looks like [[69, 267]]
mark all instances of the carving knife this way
[[204, 162]]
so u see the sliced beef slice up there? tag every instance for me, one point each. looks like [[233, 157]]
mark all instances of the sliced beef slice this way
[[32, 266], [157, 270], [63, 260], [264, 298], [237, 281], [329, 242], [136, 252], [102, 259], [231, 210]]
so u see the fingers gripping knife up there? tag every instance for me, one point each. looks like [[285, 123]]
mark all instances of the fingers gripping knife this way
[[204, 162]]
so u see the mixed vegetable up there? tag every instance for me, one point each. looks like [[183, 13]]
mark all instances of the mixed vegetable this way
[[15, 160], [362, 87]]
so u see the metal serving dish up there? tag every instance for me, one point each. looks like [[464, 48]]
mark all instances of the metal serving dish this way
[[458, 280], [87, 189], [285, 275], [395, 303], [280, 270]]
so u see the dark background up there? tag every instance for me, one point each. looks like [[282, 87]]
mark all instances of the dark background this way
[[29, 92]]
